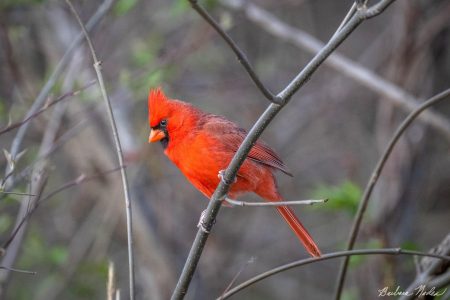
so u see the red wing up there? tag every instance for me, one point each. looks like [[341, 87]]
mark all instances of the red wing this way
[[232, 137]]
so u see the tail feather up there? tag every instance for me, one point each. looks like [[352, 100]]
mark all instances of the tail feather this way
[[299, 230]]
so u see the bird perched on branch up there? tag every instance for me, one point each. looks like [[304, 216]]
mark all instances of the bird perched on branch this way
[[202, 145]]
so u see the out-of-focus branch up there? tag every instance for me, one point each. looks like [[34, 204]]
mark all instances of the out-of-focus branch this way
[[11, 247], [43, 94], [264, 120], [432, 273], [348, 253], [242, 58], [44, 108], [77, 181], [128, 211], [374, 178], [340, 63]]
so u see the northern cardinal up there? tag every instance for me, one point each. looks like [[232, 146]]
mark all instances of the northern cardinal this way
[[201, 145]]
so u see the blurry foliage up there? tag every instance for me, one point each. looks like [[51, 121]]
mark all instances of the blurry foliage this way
[[37, 252], [124, 6], [2, 111], [341, 197], [5, 223], [349, 294], [410, 245], [89, 276], [4, 4]]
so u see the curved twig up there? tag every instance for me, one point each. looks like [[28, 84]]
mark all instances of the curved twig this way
[[302, 262], [373, 180], [97, 67]]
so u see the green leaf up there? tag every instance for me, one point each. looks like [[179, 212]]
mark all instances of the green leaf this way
[[410, 245], [179, 7], [5, 223], [341, 197], [58, 255], [123, 6]]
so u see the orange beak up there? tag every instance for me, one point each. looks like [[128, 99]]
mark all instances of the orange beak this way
[[156, 135]]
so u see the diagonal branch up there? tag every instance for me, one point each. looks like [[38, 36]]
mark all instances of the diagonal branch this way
[[41, 98], [44, 108], [97, 66], [254, 133], [374, 178], [242, 58], [391, 92], [348, 253]]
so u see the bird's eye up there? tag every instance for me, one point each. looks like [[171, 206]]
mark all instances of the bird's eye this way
[[163, 122]]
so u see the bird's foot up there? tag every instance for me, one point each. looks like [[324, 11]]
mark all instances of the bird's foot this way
[[221, 175], [202, 223]]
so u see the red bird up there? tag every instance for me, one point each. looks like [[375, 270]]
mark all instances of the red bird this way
[[203, 144]]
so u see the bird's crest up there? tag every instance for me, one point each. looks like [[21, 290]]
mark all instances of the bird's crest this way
[[157, 106]]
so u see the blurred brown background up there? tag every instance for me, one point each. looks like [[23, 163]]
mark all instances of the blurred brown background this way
[[330, 136]]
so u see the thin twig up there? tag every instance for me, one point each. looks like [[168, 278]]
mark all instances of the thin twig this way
[[347, 17], [79, 180], [373, 180], [277, 203], [97, 66], [242, 58], [254, 133], [348, 253], [44, 108], [429, 272], [16, 193], [243, 267], [18, 270], [359, 73], [43, 94]]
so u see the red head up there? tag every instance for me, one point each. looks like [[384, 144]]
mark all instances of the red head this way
[[168, 117]]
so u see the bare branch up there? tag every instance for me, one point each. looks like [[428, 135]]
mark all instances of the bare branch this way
[[242, 58], [278, 203], [43, 94], [19, 270], [44, 108], [254, 133], [432, 273], [348, 253], [374, 178], [391, 92], [97, 66]]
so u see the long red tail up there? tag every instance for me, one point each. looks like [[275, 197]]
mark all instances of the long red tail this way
[[299, 230]]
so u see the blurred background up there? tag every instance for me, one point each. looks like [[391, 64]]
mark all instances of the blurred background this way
[[330, 136]]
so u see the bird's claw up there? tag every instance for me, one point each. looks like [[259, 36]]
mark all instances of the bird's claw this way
[[221, 175], [202, 223]]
